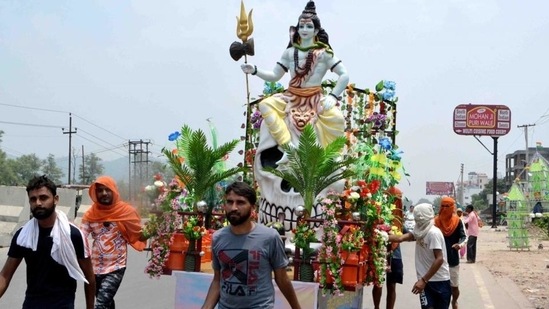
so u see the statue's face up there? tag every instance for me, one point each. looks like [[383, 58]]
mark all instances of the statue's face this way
[[306, 29]]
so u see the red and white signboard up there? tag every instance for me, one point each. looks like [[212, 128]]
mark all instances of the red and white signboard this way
[[474, 119], [439, 188]]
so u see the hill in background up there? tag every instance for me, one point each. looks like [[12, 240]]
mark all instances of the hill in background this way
[[117, 168]]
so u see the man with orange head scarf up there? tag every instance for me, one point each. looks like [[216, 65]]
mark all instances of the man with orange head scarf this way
[[113, 224], [455, 238]]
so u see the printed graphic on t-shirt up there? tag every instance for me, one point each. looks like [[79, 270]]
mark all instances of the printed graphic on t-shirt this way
[[239, 271], [422, 243], [109, 247]]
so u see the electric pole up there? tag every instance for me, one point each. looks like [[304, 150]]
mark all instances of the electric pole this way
[[525, 126], [84, 180], [139, 165], [460, 197], [70, 132]]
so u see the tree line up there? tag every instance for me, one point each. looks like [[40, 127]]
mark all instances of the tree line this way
[[18, 171]]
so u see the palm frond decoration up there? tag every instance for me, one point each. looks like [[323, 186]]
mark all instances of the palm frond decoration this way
[[311, 168], [195, 162]]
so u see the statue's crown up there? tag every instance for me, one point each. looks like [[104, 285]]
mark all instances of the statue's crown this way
[[310, 8]]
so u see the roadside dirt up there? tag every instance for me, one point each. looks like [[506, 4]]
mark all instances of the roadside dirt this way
[[529, 269]]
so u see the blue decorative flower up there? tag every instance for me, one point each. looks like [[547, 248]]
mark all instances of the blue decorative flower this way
[[388, 95], [266, 89], [270, 88], [385, 143], [174, 136], [395, 155], [388, 84]]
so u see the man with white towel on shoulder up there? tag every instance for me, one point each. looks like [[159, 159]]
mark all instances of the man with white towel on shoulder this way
[[54, 250]]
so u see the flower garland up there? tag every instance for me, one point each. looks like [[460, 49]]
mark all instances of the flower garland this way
[[304, 235], [379, 256], [156, 189], [328, 255], [370, 118], [353, 240], [375, 209], [161, 228], [192, 229]]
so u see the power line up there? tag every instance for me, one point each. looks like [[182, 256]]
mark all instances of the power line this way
[[60, 127], [99, 138], [544, 115], [12, 152], [102, 146], [93, 124], [35, 108], [31, 124], [111, 149], [64, 112]]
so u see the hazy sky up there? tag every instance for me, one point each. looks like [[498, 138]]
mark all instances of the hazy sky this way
[[142, 69]]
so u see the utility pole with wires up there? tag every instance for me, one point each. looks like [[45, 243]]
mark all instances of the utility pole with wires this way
[[138, 166], [70, 132], [461, 188], [84, 178], [525, 126]]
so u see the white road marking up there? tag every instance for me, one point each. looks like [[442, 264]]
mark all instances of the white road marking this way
[[488, 304]]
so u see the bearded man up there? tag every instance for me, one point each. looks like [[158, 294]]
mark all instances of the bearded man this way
[[244, 255], [54, 250], [113, 224]]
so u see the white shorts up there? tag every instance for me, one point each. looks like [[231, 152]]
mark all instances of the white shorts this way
[[454, 276]]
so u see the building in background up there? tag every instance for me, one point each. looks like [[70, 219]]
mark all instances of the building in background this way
[[474, 184], [515, 164]]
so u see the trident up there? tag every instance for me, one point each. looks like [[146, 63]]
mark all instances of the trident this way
[[244, 29]]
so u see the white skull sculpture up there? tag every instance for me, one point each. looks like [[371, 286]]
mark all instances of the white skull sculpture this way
[[278, 199]]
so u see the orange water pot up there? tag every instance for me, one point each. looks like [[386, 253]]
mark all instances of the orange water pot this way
[[176, 259], [349, 276]]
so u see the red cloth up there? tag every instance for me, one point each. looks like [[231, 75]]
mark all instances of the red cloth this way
[[125, 215], [447, 220]]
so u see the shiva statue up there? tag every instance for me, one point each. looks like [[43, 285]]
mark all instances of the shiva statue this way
[[307, 58]]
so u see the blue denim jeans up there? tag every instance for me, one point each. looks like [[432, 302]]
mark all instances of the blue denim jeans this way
[[436, 295]]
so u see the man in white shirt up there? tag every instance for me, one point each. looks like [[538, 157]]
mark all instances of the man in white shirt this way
[[433, 272]]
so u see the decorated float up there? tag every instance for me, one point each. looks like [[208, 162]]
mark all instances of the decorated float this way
[[327, 182], [524, 202]]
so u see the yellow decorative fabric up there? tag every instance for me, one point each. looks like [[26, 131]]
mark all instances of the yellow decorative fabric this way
[[296, 107]]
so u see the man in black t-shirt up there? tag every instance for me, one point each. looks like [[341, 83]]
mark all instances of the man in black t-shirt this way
[[455, 238], [53, 264]]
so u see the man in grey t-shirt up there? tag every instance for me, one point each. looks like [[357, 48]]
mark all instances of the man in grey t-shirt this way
[[244, 256]]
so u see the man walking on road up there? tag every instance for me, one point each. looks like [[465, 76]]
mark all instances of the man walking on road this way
[[472, 222], [454, 236], [433, 284], [245, 254], [113, 224], [54, 250]]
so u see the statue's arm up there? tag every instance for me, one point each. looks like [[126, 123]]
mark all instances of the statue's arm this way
[[338, 68], [270, 76]]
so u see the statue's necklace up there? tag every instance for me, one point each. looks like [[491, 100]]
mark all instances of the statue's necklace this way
[[303, 71]]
